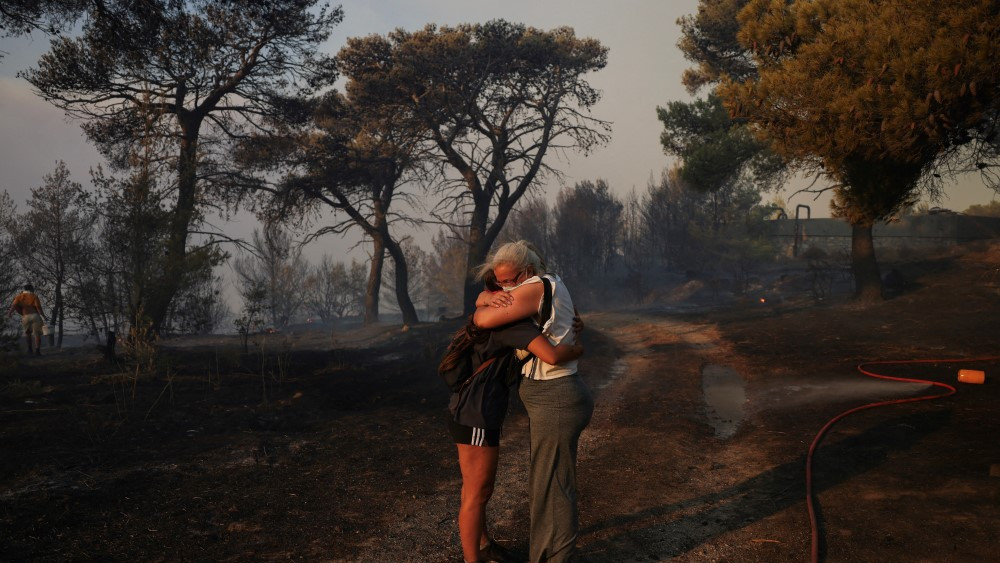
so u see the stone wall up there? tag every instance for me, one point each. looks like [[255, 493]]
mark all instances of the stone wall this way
[[911, 233]]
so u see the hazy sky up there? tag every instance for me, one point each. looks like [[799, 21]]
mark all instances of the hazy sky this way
[[643, 71]]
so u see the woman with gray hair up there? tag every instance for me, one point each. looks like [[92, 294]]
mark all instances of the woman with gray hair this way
[[558, 403]]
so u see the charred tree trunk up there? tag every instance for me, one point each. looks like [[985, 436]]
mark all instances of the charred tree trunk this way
[[180, 226], [867, 281], [479, 247], [481, 239], [402, 281], [875, 189], [374, 281]]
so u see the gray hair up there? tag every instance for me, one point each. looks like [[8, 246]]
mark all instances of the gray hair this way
[[520, 254]]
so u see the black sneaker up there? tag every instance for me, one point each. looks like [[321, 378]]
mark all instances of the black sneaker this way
[[493, 552]]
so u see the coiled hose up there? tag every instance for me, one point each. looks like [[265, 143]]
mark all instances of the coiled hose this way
[[949, 390]]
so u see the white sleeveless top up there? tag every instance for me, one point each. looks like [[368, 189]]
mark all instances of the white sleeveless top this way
[[558, 328]]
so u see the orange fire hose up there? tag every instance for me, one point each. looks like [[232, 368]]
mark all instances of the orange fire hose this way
[[950, 390]]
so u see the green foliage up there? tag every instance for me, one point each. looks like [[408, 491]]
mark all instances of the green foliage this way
[[876, 94], [708, 39], [686, 124], [881, 96], [718, 156]]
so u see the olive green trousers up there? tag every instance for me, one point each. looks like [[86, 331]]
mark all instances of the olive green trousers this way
[[558, 411]]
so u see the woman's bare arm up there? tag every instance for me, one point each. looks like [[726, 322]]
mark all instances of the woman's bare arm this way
[[550, 354], [526, 299]]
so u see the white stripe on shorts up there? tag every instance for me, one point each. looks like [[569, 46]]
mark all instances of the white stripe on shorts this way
[[478, 436]]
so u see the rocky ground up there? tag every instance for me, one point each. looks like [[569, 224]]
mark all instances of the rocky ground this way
[[321, 447]]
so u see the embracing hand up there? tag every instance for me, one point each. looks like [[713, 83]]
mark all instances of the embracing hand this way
[[500, 299]]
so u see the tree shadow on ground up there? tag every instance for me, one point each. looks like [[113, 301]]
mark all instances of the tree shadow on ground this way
[[646, 536]]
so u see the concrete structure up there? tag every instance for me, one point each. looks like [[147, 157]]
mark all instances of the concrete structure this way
[[920, 233]]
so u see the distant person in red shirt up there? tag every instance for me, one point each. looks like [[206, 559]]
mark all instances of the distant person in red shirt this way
[[30, 308]]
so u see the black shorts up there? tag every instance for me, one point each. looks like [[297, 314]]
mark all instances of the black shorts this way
[[474, 436]]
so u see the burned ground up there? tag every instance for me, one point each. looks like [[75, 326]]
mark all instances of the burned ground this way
[[334, 449]]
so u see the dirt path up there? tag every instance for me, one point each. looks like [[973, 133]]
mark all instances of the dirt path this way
[[658, 477]]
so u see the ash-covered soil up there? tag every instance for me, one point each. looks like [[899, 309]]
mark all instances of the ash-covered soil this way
[[320, 447]]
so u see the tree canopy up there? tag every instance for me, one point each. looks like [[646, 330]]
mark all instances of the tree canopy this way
[[491, 101], [842, 83], [709, 39], [880, 96], [172, 82], [351, 158], [586, 220], [19, 17], [718, 155]]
